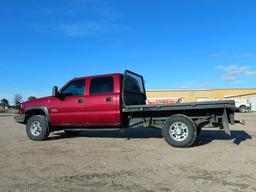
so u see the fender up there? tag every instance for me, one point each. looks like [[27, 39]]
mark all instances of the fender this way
[[42, 108]]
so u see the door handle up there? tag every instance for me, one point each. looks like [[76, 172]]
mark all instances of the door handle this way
[[80, 101], [109, 99]]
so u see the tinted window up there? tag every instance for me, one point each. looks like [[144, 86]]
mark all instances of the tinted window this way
[[75, 88], [102, 85], [134, 83]]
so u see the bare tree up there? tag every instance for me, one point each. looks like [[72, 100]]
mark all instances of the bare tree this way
[[17, 100]]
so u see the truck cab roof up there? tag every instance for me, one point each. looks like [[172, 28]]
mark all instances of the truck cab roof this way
[[97, 76]]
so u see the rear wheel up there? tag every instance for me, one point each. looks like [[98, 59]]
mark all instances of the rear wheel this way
[[37, 128], [179, 131], [242, 109]]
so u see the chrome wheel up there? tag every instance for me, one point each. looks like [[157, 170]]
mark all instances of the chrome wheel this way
[[36, 128], [178, 131]]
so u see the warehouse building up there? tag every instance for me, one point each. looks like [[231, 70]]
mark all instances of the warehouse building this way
[[195, 95]]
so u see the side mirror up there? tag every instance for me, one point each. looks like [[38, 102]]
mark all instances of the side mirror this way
[[55, 91]]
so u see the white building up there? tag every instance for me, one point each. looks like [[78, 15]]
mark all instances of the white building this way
[[250, 97]]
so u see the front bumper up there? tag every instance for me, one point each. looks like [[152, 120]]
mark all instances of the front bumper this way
[[20, 118]]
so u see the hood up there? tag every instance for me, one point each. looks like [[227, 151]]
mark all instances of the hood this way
[[43, 101]]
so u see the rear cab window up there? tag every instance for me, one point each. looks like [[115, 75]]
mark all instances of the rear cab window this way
[[102, 85]]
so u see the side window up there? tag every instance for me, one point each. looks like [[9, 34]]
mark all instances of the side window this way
[[102, 85], [75, 88]]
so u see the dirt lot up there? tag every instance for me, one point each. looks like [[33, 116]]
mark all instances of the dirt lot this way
[[108, 161]]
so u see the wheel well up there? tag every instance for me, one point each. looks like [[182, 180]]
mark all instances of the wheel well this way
[[242, 106], [33, 112]]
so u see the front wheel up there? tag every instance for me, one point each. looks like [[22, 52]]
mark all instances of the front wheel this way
[[37, 128], [179, 131]]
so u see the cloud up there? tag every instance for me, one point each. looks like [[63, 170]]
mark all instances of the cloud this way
[[244, 55], [78, 18], [88, 28], [187, 85], [205, 86], [235, 56], [232, 72], [195, 85], [218, 54]]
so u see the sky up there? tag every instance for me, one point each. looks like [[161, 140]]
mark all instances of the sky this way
[[174, 44]]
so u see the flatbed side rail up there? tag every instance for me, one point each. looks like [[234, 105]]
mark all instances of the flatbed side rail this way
[[181, 106]]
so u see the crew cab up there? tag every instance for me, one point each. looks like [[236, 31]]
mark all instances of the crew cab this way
[[119, 101]]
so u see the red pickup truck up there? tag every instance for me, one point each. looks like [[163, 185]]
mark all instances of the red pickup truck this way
[[119, 101]]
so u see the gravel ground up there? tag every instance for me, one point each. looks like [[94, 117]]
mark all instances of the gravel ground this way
[[106, 160]]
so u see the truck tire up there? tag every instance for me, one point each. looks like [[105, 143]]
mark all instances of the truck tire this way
[[242, 109], [179, 131], [37, 128]]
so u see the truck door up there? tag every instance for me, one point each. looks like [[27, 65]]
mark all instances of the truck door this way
[[102, 103], [68, 108]]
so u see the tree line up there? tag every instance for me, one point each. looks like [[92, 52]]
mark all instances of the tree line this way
[[18, 99]]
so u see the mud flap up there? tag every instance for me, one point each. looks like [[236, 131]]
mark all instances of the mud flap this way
[[225, 123]]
